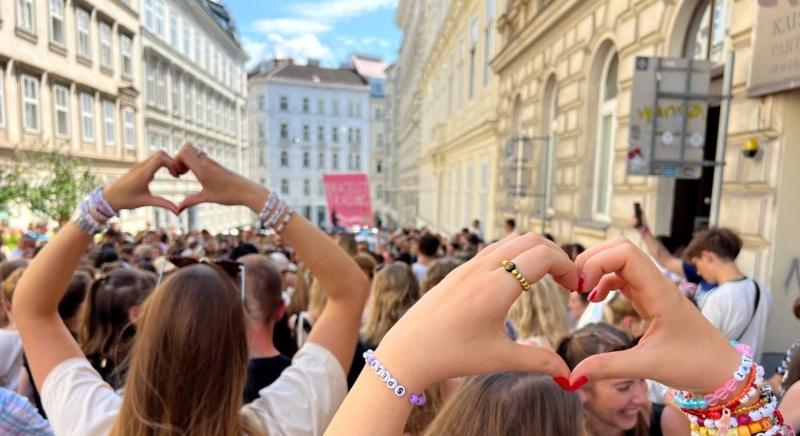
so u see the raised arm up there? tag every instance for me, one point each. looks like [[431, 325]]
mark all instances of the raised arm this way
[[347, 286], [655, 248], [45, 337]]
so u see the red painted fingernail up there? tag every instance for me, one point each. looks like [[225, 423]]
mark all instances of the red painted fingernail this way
[[592, 295], [562, 381], [579, 383]]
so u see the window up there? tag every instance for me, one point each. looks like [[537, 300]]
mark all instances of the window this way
[[125, 53], [159, 18], [306, 159], [84, 35], [173, 30], [2, 101], [207, 54], [57, 22], [188, 90], [87, 117], [152, 142], [307, 191], [30, 103], [606, 124], [473, 48], [261, 102], [321, 106], [321, 161], [306, 133], [335, 135], [704, 41], [284, 131], [148, 14], [461, 54], [358, 136], [128, 128], [358, 162], [198, 51], [379, 167], [199, 97], [321, 218], [209, 109], [321, 134], [187, 39], [284, 186], [109, 123], [162, 85], [489, 37], [61, 110], [151, 81], [306, 105], [284, 158], [284, 103], [177, 84], [262, 133], [350, 135], [380, 140], [105, 45], [358, 108], [336, 108], [335, 162], [26, 15]]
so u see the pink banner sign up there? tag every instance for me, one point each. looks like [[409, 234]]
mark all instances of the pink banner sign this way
[[348, 199]]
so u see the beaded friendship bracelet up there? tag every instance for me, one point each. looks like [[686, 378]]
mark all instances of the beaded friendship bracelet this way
[[723, 392], [93, 213], [276, 213], [392, 383]]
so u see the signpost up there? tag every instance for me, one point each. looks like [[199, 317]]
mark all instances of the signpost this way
[[775, 57]]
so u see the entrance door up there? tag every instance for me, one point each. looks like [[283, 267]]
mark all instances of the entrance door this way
[[692, 202]]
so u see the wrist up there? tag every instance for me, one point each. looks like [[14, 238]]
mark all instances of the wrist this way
[[255, 197]]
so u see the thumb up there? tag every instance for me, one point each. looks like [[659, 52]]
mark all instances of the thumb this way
[[153, 200], [618, 364], [529, 358], [191, 200]]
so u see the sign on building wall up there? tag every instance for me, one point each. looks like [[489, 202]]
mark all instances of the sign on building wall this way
[[775, 61], [348, 199], [669, 104]]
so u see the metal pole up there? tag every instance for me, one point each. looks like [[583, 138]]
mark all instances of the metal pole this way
[[548, 183], [722, 140]]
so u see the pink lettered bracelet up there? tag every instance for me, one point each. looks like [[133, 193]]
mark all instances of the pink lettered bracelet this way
[[391, 383]]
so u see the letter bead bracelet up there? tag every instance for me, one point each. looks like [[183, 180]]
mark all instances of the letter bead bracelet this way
[[93, 213], [391, 383]]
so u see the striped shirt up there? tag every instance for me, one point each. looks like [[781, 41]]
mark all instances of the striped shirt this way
[[19, 417]]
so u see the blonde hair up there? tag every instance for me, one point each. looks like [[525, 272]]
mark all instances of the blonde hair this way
[[438, 270], [618, 308], [10, 284], [394, 290], [541, 311], [317, 300]]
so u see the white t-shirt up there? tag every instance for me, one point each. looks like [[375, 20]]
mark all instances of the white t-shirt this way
[[729, 307], [10, 359], [420, 271], [302, 401]]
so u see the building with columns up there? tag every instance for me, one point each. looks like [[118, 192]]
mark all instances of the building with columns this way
[[565, 70], [194, 90], [69, 82]]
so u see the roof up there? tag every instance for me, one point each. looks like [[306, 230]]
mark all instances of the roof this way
[[223, 18], [315, 74], [370, 67]]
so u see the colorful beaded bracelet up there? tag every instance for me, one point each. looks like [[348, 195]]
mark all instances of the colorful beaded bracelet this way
[[391, 383], [686, 401], [744, 397]]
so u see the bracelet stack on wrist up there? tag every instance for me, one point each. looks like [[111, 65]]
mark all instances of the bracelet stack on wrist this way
[[391, 383], [645, 230], [93, 213], [752, 412], [276, 213]]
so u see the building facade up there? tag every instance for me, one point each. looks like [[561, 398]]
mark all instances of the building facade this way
[[307, 121], [459, 153], [69, 82], [565, 71], [194, 91], [374, 70]]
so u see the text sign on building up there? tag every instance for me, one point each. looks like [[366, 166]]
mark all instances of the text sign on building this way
[[775, 61], [669, 105], [348, 198]]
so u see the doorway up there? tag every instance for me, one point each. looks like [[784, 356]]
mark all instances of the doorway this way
[[692, 198]]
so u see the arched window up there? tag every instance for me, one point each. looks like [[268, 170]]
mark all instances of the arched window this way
[[549, 121], [706, 37], [606, 125]]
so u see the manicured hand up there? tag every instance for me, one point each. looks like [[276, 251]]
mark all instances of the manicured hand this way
[[132, 189], [680, 349]]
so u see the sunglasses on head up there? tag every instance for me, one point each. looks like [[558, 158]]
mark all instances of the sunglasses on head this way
[[235, 270]]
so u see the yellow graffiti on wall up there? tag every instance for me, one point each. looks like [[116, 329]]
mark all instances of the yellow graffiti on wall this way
[[695, 111]]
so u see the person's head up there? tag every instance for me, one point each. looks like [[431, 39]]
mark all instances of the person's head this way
[[348, 243], [263, 289], [428, 245], [573, 250], [712, 249], [577, 304], [69, 308], [394, 290], [189, 360], [476, 224], [9, 285], [510, 403], [542, 311], [143, 253], [619, 312], [367, 264], [106, 255], [510, 225], [437, 271], [242, 250], [111, 313], [28, 240], [613, 405]]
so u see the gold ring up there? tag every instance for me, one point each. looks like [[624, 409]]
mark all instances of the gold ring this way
[[511, 268]]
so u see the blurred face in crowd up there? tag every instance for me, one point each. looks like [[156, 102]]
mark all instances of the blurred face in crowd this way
[[576, 305], [615, 404]]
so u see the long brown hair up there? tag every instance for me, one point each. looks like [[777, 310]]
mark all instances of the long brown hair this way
[[394, 290], [189, 360], [510, 403], [597, 339], [541, 312]]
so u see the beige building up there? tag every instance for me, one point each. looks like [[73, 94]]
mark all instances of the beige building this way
[[565, 69], [458, 92], [69, 76]]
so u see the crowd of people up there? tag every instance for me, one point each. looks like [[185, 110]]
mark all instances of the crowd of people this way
[[290, 330]]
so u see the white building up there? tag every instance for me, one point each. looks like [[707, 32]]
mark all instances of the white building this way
[[69, 76], [194, 91], [307, 121]]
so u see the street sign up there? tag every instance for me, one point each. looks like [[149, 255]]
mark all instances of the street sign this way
[[669, 104], [775, 63]]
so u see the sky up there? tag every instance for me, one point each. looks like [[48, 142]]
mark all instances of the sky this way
[[327, 30]]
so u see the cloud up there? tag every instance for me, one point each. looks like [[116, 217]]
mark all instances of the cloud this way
[[300, 47], [366, 40], [339, 9], [291, 26], [383, 42], [256, 50]]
